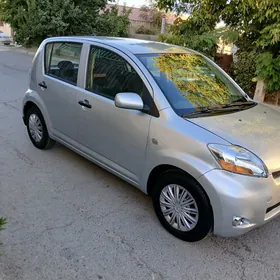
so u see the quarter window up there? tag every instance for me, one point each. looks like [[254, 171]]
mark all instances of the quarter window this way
[[62, 61]]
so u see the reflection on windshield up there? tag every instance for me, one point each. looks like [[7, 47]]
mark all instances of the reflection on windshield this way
[[190, 82]]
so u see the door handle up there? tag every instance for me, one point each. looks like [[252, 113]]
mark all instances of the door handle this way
[[85, 103], [43, 85]]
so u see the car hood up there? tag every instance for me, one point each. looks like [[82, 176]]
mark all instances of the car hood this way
[[256, 129]]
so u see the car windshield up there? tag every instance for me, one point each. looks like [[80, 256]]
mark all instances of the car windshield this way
[[190, 82]]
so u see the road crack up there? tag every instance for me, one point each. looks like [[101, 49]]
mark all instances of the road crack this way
[[37, 236], [9, 105], [131, 251]]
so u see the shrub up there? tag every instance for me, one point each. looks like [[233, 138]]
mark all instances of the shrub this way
[[113, 23], [243, 71], [143, 30], [3, 221], [205, 43], [268, 69]]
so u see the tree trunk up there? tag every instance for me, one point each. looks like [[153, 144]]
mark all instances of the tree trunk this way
[[260, 91]]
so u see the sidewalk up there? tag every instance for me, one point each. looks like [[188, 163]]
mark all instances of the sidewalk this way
[[273, 106], [19, 49]]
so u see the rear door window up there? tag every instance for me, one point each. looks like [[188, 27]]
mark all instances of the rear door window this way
[[62, 61]]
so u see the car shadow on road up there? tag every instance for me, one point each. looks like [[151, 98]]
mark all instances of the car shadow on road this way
[[268, 231]]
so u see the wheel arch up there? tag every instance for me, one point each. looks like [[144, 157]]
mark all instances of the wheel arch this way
[[160, 170], [33, 99], [27, 106]]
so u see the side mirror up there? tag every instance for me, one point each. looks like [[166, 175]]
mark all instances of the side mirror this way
[[129, 100]]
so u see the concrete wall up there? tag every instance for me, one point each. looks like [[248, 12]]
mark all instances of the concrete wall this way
[[144, 37]]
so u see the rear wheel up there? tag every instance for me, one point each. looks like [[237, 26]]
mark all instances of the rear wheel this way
[[37, 129], [182, 206]]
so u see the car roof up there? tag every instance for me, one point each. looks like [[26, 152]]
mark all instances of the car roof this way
[[134, 46]]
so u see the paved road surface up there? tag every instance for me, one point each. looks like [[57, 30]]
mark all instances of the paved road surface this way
[[69, 219]]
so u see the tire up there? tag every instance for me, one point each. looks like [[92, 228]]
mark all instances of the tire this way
[[190, 231], [45, 142]]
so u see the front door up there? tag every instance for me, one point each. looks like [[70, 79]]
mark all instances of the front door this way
[[117, 137], [59, 87]]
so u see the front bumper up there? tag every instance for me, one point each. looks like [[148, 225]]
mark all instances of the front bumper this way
[[233, 195]]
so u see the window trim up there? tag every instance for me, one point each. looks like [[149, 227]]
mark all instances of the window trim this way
[[45, 57], [152, 111], [45, 60]]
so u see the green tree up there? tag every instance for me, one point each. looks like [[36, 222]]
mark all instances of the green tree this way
[[257, 22], [113, 22], [243, 71], [34, 20], [194, 35]]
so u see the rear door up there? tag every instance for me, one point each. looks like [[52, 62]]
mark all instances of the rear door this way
[[59, 87]]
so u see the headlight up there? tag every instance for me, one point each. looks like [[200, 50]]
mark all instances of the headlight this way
[[238, 160]]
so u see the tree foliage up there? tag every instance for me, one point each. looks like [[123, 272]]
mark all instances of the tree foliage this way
[[257, 22], [198, 37], [243, 71], [34, 20], [268, 68], [204, 43], [144, 30], [113, 23]]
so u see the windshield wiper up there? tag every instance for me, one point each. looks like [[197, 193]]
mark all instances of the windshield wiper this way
[[231, 107], [239, 104], [208, 110]]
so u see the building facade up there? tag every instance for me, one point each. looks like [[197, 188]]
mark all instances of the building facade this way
[[6, 28]]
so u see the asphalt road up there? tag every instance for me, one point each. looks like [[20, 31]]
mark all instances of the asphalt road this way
[[69, 219]]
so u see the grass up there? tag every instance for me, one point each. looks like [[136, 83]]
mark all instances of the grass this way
[[3, 221]]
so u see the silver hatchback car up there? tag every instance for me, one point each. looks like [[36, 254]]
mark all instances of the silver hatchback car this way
[[165, 119]]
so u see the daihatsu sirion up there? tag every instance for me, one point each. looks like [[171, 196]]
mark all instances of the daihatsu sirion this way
[[167, 120]]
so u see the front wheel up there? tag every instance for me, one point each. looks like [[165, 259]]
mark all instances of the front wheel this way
[[182, 207]]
